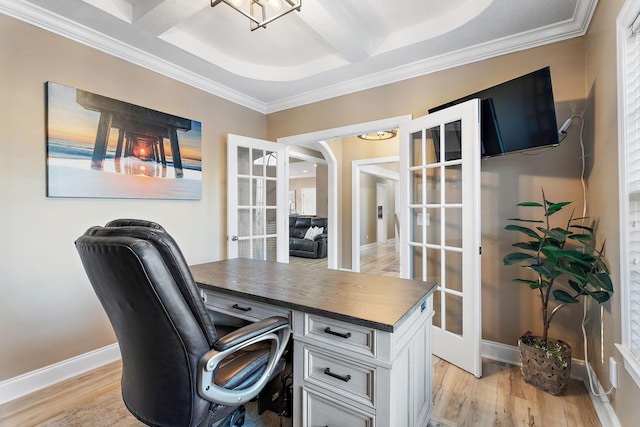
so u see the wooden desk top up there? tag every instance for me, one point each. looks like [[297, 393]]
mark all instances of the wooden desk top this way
[[378, 302]]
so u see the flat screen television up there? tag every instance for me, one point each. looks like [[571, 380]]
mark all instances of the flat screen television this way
[[516, 115]]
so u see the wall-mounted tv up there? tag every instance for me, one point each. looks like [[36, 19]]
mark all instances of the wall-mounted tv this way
[[516, 115]]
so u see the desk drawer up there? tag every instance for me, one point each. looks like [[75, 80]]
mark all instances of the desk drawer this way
[[340, 334], [320, 410], [339, 376], [242, 308]]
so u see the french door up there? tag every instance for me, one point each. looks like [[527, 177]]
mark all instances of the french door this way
[[256, 199], [440, 225]]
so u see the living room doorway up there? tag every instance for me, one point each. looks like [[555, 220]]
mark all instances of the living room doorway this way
[[318, 141], [309, 201], [367, 175]]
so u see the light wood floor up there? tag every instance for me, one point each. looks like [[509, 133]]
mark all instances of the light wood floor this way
[[379, 259], [499, 398]]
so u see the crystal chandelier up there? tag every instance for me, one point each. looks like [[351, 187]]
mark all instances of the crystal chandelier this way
[[261, 12]]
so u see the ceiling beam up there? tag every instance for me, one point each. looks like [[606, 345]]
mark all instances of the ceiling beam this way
[[337, 24], [158, 16]]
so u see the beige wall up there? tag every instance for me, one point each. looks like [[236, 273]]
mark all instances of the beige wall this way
[[508, 309], [322, 196], [369, 210], [48, 311], [602, 119], [349, 150]]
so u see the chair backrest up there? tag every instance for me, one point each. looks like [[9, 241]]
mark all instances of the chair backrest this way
[[122, 222], [173, 258], [148, 293]]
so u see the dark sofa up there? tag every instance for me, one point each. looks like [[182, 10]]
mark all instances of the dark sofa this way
[[298, 245]]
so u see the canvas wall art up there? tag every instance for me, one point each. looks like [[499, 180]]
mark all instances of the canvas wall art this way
[[102, 147]]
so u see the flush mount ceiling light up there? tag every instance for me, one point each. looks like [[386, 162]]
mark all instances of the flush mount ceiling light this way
[[261, 12], [378, 136]]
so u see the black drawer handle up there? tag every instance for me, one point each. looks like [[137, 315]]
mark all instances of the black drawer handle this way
[[237, 307], [345, 378], [328, 330]]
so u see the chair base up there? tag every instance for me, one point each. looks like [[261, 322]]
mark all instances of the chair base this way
[[235, 419]]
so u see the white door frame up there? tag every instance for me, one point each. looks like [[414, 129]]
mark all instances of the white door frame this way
[[282, 183], [369, 166], [461, 349], [317, 141]]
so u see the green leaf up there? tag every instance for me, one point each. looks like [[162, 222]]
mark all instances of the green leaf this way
[[564, 297], [585, 239], [543, 270], [600, 296], [526, 220], [586, 257], [575, 271], [550, 266], [582, 227], [581, 218], [558, 234], [576, 286], [527, 246], [551, 251], [555, 207], [557, 254], [535, 204], [600, 280], [585, 260], [601, 267], [529, 232], [516, 257], [562, 231], [533, 284]]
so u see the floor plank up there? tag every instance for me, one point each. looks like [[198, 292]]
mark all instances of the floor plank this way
[[45, 404], [500, 398]]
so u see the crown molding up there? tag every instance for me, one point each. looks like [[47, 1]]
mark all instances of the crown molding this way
[[64, 27], [29, 13], [575, 27]]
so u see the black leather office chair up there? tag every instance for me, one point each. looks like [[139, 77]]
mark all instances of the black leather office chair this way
[[176, 371]]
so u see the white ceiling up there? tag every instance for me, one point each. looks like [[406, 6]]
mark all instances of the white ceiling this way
[[329, 48], [301, 169]]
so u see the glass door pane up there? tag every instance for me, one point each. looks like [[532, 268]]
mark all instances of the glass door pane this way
[[442, 159], [255, 189]]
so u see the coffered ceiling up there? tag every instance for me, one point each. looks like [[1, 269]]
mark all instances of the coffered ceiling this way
[[329, 48]]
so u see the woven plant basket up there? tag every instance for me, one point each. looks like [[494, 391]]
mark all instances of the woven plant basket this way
[[549, 371]]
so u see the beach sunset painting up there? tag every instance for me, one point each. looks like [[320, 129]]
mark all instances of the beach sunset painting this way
[[102, 147]]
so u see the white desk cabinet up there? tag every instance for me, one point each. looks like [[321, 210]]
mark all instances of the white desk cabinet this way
[[348, 375], [362, 344]]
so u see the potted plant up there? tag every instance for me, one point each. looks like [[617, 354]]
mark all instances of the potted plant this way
[[567, 266]]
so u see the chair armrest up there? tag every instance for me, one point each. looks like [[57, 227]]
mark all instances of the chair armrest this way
[[322, 236], [249, 331], [274, 329]]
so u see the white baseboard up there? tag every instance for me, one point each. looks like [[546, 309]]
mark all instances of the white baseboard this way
[[368, 245], [511, 355], [24, 384], [30, 382], [601, 403], [500, 352]]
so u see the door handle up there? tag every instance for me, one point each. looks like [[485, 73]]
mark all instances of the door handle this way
[[234, 238]]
